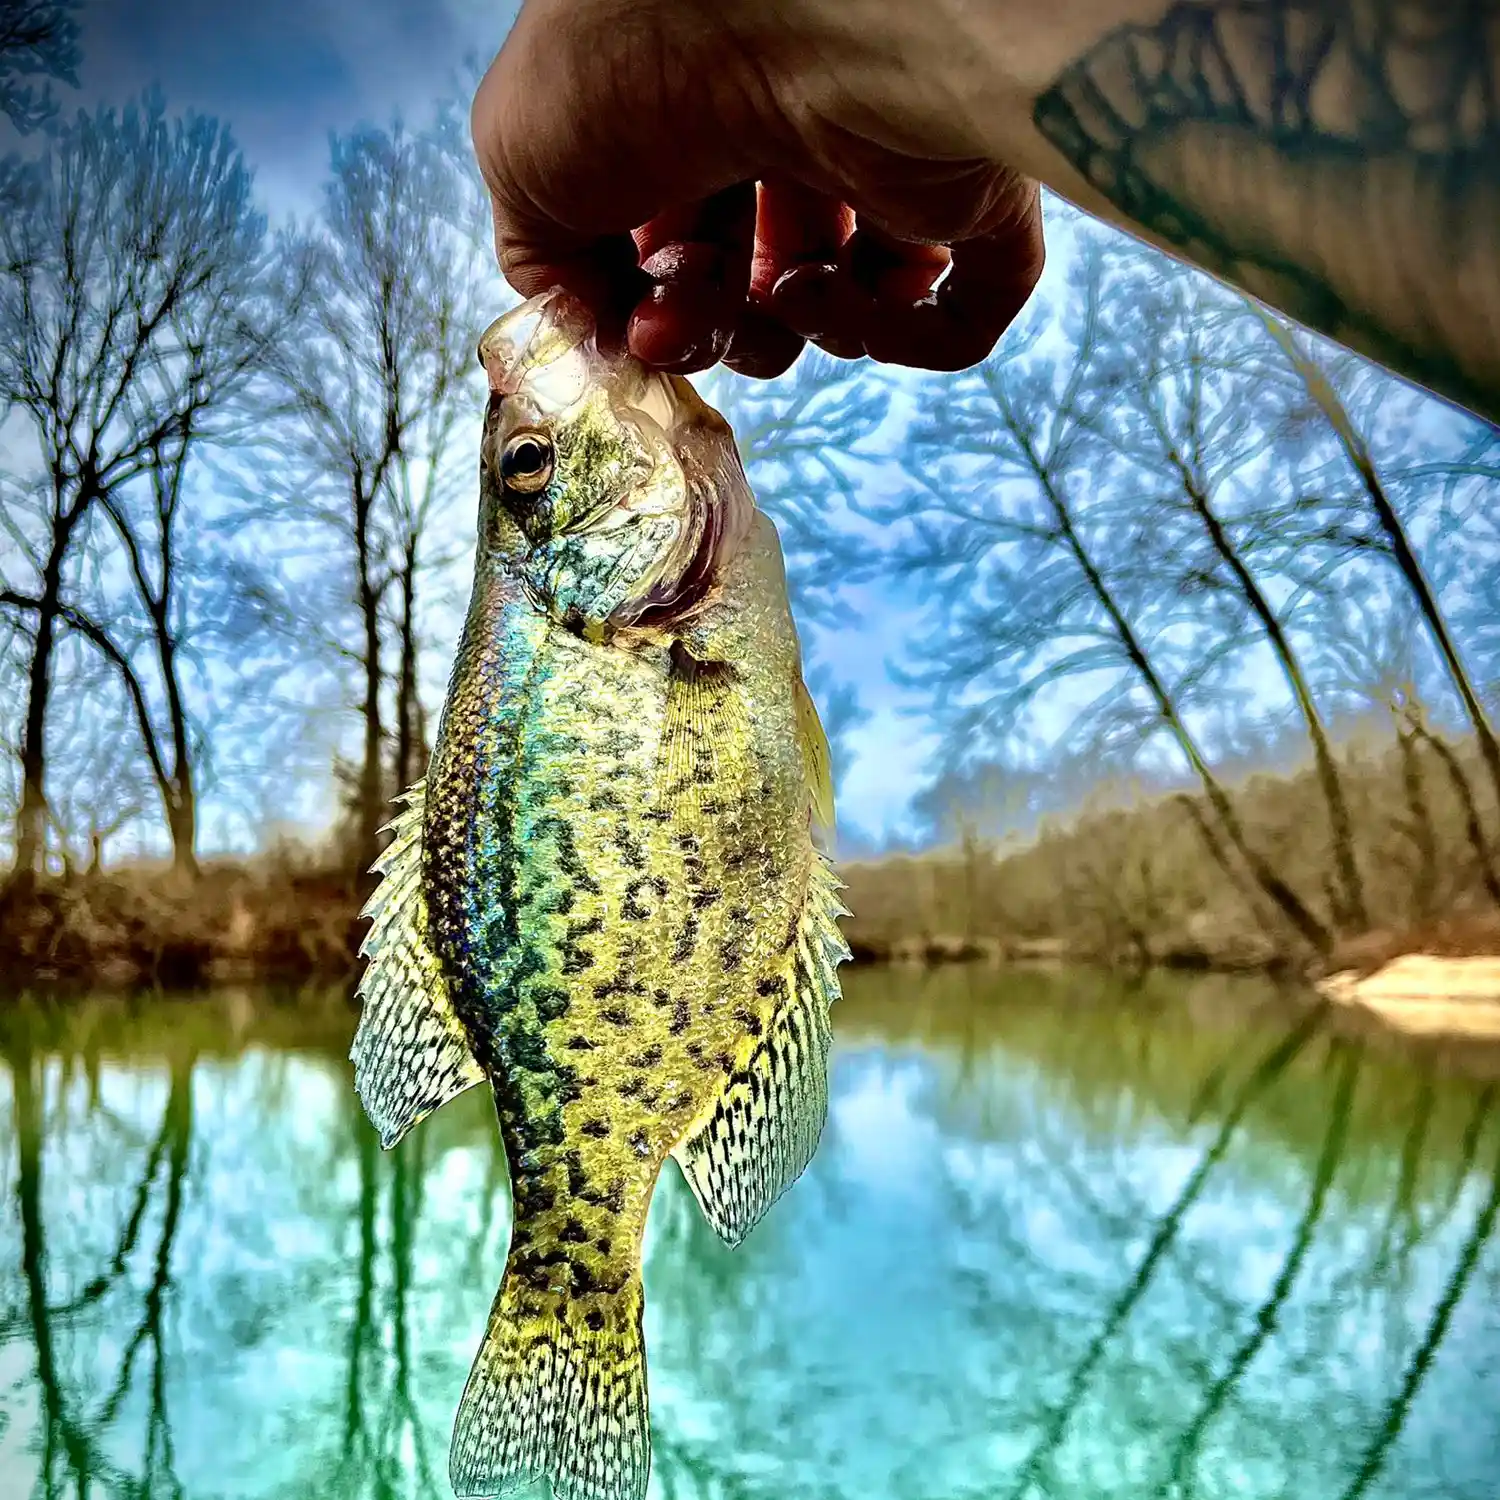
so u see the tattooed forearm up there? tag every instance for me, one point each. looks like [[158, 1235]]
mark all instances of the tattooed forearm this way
[[1338, 158]]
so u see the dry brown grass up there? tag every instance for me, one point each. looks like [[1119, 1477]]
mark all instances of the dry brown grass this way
[[279, 916], [1139, 885]]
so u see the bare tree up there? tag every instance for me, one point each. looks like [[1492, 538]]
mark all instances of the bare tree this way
[[1013, 527], [1321, 379], [371, 398], [38, 39], [1181, 397], [130, 315]]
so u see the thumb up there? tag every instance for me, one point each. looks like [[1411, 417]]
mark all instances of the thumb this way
[[594, 119]]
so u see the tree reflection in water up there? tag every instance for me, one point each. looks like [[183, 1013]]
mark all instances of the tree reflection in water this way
[[1062, 1239]]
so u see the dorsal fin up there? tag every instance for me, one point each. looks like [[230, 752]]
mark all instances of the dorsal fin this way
[[817, 762], [410, 1053], [766, 1124]]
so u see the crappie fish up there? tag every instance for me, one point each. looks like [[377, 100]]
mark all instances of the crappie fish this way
[[607, 899]]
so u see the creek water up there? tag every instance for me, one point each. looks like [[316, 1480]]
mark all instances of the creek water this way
[[1067, 1235]]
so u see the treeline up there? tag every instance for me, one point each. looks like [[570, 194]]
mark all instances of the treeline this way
[[1166, 539]]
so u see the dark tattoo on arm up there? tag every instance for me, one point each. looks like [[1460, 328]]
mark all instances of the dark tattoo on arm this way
[[1338, 158]]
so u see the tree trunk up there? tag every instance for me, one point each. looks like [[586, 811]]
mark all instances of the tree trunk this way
[[182, 824], [1349, 908], [407, 708], [1285, 899], [1327, 400], [31, 818], [1473, 828], [1419, 829], [180, 795], [371, 799]]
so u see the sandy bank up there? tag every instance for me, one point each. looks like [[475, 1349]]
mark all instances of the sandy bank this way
[[1427, 994]]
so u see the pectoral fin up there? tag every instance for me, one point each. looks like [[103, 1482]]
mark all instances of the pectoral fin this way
[[410, 1053], [817, 762], [767, 1123]]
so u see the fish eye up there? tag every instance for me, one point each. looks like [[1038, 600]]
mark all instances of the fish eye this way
[[526, 462]]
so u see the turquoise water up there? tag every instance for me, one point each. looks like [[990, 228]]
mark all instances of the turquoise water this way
[[1064, 1237]]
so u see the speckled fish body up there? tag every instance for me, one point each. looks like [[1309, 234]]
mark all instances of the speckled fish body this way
[[606, 899]]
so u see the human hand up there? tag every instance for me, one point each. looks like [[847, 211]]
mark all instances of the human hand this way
[[726, 179]]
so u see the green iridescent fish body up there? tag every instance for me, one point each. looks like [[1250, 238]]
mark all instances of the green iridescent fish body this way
[[606, 900]]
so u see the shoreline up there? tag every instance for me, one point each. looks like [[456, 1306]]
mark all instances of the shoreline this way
[[280, 923]]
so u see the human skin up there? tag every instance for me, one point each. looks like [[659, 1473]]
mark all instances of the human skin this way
[[1339, 159]]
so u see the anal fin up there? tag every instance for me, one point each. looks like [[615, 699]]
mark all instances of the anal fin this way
[[766, 1124], [410, 1053]]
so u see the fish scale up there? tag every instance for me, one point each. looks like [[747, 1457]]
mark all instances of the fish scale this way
[[605, 899]]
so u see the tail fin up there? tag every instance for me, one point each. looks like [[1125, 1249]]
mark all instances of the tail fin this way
[[557, 1392]]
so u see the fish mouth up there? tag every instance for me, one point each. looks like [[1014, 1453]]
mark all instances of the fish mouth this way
[[530, 346]]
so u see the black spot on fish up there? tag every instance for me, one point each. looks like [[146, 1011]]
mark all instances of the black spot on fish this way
[[565, 1088], [573, 1232], [660, 997], [688, 843], [551, 1002], [731, 956], [616, 1015], [681, 1018], [537, 1197], [630, 847], [594, 1318], [598, 1129], [633, 909], [528, 1051], [639, 1142], [647, 1059], [748, 1019], [705, 898], [687, 940], [580, 1044], [621, 742], [562, 902], [576, 959], [606, 799], [603, 1244], [568, 862], [631, 1087], [578, 1179]]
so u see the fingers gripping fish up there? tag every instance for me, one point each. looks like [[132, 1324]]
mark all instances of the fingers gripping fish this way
[[607, 899]]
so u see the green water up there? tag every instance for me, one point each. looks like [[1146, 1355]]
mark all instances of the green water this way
[[1063, 1238]]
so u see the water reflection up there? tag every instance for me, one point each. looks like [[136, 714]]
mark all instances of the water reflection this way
[[1063, 1239]]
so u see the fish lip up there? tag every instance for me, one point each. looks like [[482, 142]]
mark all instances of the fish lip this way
[[557, 314]]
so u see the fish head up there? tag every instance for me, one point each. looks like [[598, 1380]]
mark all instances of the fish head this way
[[617, 491]]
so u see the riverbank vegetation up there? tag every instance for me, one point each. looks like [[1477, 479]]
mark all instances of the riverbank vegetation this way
[[1201, 609]]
